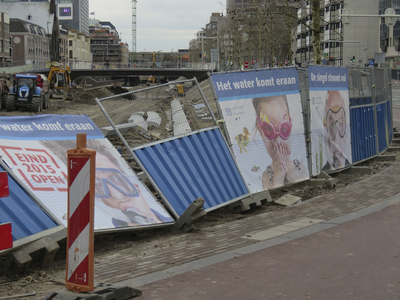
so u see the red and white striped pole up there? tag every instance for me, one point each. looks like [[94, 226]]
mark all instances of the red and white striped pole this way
[[80, 238]]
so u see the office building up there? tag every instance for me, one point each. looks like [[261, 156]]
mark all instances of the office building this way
[[74, 14], [350, 41], [106, 46]]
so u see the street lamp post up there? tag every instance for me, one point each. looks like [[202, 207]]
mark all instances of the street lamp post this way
[[202, 47]]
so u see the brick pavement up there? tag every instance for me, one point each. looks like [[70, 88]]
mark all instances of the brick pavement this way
[[179, 249]]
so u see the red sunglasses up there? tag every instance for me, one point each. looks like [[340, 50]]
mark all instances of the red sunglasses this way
[[269, 130]]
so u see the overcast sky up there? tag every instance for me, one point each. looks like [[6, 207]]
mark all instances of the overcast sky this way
[[161, 25]]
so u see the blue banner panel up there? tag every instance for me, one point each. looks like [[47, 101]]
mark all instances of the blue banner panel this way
[[240, 85], [360, 101], [324, 78], [48, 127], [198, 165], [384, 131], [24, 214], [390, 121], [36, 150], [363, 134]]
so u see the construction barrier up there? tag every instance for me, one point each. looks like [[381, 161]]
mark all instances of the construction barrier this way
[[370, 112], [282, 125], [80, 238]]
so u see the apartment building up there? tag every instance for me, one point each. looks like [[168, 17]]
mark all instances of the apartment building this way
[[344, 41], [30, 44], [106, 46], [5, 39], [79, 56]]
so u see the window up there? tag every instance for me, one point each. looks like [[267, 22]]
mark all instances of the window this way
[[6, 45], [70, 43]]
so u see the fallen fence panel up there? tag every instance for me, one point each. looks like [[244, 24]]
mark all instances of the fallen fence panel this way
[[198, 165]]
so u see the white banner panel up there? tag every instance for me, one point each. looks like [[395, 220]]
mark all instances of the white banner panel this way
[[330, 119], [263, 115], [35, 148]]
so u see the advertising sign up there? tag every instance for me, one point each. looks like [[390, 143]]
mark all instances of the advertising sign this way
[[35, 148], [330, 119], [263, 115]]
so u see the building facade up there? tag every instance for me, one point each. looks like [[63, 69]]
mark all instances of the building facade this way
[[344, 41], [63, 46], [106, 46], [5, 39], [79, 56], [30, 44], [74, 14]]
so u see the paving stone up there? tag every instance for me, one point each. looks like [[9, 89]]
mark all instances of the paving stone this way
[[230, 236]]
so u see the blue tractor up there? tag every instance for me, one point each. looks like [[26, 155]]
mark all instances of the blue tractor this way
[[25, 93]]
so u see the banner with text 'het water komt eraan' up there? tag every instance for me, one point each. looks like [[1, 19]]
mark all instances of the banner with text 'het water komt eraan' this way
[[35, 148], [330, 119], [263, 115]]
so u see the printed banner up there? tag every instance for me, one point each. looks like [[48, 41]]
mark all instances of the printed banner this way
[[263, 115], [35, 148], [330, 119]]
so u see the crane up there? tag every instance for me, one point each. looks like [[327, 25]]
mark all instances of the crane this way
[[134, 26]]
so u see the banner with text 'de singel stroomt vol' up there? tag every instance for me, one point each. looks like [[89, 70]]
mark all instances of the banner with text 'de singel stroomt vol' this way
[[330, 119]]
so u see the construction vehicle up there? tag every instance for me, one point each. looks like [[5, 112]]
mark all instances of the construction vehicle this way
[[5, 85], [152, 79], [25, 93], [43, 83], [60, 83]]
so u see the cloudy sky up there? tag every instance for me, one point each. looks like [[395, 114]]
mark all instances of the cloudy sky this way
[[162, 25]]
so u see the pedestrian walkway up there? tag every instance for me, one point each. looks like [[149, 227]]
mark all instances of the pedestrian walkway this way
[[342, 259], [179, 250]]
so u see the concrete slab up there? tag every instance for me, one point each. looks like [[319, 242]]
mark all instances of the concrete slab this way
[[385, 157], [323, 175], [359, 170], [265, 235], [283, 229], [181, 128], [139, 113], [101, 292], [153, 119], [393, 149], [288, 200], [176, 106], [321, 181]]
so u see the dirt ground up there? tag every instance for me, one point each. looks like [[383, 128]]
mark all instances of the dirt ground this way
[[42, 279]]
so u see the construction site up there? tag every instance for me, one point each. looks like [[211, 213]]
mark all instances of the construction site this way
[[35, 266]]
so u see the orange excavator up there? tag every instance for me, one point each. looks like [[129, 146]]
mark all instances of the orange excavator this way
[[60, 83]]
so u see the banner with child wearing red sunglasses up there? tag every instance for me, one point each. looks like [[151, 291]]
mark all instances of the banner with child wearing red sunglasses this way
[[263, 114], [330, 119], [35, 148]]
